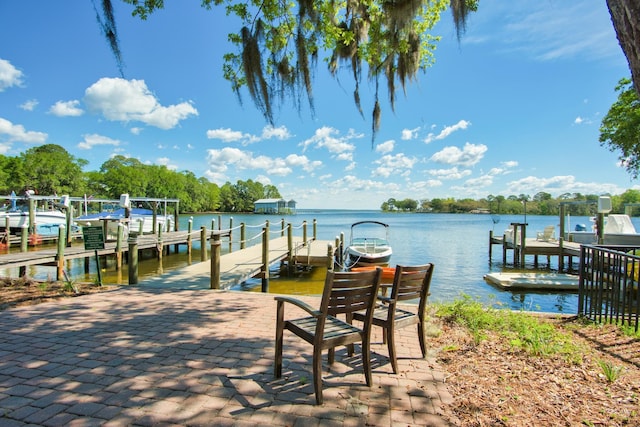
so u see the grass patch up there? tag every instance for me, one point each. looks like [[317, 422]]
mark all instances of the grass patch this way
[[523, 331]]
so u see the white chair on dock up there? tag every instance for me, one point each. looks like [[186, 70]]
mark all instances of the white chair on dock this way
[[548, 235]]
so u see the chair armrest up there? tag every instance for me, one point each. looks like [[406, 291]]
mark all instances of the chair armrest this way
[[386, 300], [300, 304]]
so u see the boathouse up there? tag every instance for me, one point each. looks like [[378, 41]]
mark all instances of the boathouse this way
[[274, 206]]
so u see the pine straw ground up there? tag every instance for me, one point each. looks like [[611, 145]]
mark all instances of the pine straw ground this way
[[493, 383]]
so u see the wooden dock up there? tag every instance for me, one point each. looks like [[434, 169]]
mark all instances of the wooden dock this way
[[523, 246]]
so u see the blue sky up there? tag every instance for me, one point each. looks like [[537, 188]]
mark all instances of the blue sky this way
[[514, 108]]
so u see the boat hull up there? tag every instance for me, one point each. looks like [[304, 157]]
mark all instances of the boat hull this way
[[359, 257], [47, 223]]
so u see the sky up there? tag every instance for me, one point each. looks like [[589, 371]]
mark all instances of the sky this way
[[513, 107]]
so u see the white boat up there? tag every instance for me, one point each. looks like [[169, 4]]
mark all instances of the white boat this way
[[370, 248], [139, 220], [47, 221], [618, 230]]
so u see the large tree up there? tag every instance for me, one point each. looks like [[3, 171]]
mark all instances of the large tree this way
[[620, 128], [279, 42], [625, 15]]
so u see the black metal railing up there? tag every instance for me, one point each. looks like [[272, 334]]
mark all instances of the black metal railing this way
[[608, 290]]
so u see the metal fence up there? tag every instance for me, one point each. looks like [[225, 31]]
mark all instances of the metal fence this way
[[608, 290]]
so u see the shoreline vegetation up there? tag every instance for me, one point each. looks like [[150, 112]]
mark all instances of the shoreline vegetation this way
[[541, 203]]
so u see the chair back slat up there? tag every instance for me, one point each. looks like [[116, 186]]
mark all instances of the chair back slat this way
[[412, 282], [348, 292]]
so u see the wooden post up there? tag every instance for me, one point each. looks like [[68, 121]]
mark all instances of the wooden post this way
[[282, 228], [203, 243], [315, 229], [32, 216], [62, 232], [230, 234], [523, 243], [243, 235], [337, 260], [290, 248], [189, 230], [265, 259], [490, 243], [133, 259], [304, 233], [154, 217], [24, 239], [330, 262], [215, 260], [69, 222], [160, 246], [119, 238], [341, 249]]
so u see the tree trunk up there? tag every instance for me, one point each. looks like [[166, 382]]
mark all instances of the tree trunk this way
[[625, 15]]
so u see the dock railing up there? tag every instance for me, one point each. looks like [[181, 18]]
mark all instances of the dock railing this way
[[608, 286]]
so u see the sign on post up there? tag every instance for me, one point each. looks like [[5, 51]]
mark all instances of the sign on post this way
[[93, 237]]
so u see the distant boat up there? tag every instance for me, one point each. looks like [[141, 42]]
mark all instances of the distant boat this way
[[368, 249]]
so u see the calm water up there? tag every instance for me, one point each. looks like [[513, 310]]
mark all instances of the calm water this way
[[458, 245]]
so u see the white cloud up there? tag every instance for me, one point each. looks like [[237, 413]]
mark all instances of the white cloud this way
[[394, 165], [449, 174], [230, 135], [9, 75], [135, 130], [558, 185], [92, 140], [385, 147], [66, 109], [130, 100], [280, 133], [408, 134], [165, 161], [29, 105], [468, 156], [17, 133], [220, 161], [448, 130], [340, 146]]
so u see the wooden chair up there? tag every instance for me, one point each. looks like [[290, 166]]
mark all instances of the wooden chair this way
[[409, 283], [344, 293]]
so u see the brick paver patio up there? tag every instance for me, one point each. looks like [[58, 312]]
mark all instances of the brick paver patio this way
[[147, 356]]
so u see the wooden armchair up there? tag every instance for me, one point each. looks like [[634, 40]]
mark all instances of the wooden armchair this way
[[344, 293], [409, 283]]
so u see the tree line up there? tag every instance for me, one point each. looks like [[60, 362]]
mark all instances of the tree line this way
[[49, 169], [541, 203]]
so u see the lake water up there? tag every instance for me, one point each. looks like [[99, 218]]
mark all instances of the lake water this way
[[457, 244]]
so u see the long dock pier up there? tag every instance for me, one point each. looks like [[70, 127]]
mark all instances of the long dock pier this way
[[224, 271]]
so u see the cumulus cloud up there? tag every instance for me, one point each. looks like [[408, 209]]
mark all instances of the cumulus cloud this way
[[408, 134], [468, 156], [165, 161], [557, 185], [17, 133], [66, 109], [448, 130], [329, 138], [220, 161], [449, 174], [123, 100], [230, 135], [9, 75], [92, 140], [394, 165], [29, 105], [385, 147]]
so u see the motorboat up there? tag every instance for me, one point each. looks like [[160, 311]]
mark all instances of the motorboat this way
[[140, 221], [618, 230], [48, 218], [368, 244]]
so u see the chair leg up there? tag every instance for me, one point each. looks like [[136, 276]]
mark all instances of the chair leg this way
[[366, 359], [331, 357], [277, 369], [391, 345], [317, 374], [421, 338]]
